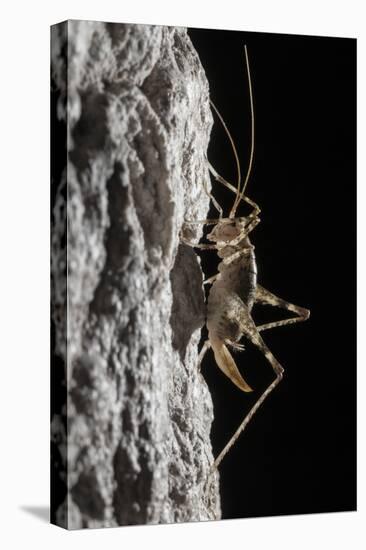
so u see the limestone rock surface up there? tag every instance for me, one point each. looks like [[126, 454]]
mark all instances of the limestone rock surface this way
[[130, 438]]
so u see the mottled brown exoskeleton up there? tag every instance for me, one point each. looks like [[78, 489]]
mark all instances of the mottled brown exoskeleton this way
[[235, 289]]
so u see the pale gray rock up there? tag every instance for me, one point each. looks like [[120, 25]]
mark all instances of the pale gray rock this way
[[134, 104]]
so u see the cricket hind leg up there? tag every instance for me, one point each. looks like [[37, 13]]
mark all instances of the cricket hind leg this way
[[265, 297], [251, 332]]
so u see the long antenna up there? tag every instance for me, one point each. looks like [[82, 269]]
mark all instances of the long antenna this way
[[232, 146], [239, 197]]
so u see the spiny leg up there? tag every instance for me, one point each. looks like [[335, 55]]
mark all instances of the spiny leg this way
[[266, 297], [205, 246], [198, 245], [206, 346], [250, 331], [202, 246], [229, 259], [246, 421], [253, 222], [235, 255], [210, 280], [234, 345], [214, 201], [213, 221], [224, 182], [243, 234], [222, 244], [217, 247]]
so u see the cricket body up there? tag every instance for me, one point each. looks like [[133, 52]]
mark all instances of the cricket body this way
[[235, 289]]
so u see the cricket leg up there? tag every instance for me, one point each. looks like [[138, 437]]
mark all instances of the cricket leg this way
[[212, 279], [223, 181], [203, 246], [265, 297], [252, 224], [206, 346], [214, 201], [235, 255], [250, 331], [234, 345], [244, 233], [213, 221], [198, 245]]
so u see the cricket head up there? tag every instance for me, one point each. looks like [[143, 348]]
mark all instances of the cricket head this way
[[228, 230]]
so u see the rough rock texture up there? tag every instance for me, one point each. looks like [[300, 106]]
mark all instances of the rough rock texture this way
[[133, 102]]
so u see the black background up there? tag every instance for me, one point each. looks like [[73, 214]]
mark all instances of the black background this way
[[298, 454]]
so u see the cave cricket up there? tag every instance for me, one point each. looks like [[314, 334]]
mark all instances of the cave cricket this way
[[234, 289]]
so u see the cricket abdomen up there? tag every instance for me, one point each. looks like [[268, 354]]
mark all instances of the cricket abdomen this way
[[240, 276], [233, 290]]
